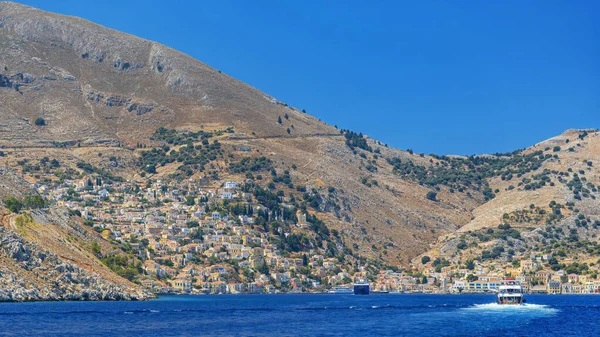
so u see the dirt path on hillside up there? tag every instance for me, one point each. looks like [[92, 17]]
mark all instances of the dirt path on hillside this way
[[312, 135]]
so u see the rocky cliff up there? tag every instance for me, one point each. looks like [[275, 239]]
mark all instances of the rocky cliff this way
[[29, 272], [48, 255]]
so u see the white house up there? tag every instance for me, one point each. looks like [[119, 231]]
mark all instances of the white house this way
[[230, 185]]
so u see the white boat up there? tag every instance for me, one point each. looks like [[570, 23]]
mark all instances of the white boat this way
[[341, 290], [510, 293]]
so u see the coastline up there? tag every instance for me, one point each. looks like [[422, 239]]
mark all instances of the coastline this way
[[159, 296], [71, 299]]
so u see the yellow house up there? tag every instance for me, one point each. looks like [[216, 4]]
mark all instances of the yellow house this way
[[554, 287], [215, 276]]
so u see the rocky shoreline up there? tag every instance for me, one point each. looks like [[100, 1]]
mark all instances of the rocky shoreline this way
[[29, 273]]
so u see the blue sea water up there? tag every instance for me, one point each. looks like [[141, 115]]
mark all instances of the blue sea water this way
[[307, 315]]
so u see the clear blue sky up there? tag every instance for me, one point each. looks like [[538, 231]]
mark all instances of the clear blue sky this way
[[445, 77]]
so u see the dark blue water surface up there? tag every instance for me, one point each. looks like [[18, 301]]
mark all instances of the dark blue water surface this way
[[307, 315]]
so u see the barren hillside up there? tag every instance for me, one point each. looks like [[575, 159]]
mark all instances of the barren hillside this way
[[554, 208]]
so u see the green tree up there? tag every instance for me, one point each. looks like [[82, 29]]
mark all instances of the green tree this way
[[34, 202], [470, 265], [192, 224], [425, 259], [40, 121], [151, 169], [471, 278], [13, 204], [189, 200], [431, 195], [263, 268], [96, 249]]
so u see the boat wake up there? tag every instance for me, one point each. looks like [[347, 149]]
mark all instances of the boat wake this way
[[140, 311], [491, 307]]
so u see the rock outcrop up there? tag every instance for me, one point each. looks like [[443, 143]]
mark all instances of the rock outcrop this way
[[30, 273]]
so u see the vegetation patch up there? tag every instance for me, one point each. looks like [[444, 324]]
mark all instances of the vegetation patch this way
[[470, 172], [356, 140], [193, 157], [15, 205]]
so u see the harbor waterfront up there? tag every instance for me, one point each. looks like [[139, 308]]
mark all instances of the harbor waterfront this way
[[307, 315]]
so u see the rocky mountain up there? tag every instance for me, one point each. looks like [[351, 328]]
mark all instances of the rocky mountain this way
[[136, 110], [94, 86], [121, 88]]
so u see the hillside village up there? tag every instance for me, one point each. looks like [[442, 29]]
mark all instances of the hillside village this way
[[196, 239], [189, 236]]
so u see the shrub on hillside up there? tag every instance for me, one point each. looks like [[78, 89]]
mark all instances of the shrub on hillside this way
[[432, 196], [13, 204], [40, 121]]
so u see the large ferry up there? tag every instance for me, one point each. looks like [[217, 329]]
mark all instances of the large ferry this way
[[361, 286], [510, 293], [341, 290]]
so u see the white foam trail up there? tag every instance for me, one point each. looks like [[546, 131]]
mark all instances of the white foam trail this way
[[513, 308]]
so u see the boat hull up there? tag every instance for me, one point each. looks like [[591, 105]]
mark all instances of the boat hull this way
[[361, 289], [510, 300]]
